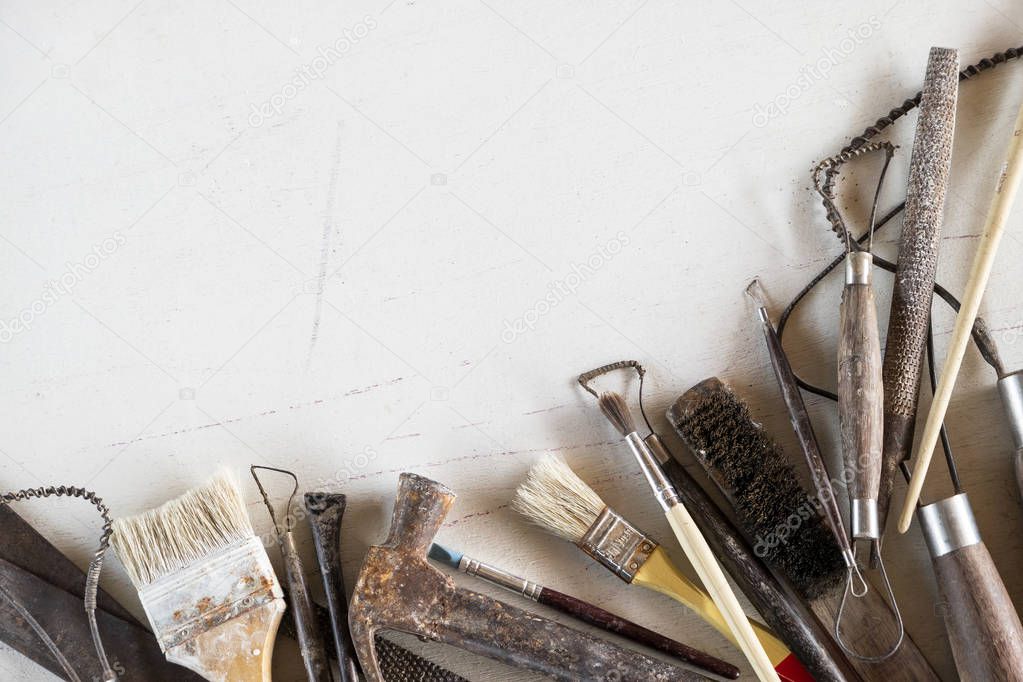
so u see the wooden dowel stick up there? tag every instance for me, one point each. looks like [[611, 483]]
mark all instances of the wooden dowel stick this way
[[998, 215]]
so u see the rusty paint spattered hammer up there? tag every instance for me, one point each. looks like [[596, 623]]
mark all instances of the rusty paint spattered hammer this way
[[399, 590]]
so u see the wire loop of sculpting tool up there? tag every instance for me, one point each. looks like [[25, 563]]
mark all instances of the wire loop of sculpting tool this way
[[898, 618]]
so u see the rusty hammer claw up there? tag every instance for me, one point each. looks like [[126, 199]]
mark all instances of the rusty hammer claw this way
[[398, 590]]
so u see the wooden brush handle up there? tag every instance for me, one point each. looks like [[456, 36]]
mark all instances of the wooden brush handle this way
[[240, 650], [661, 575], [800, 629], [983, 628], [860, 395], [605, 620], [699, 553]]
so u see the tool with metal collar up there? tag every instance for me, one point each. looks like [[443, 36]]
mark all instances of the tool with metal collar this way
[[399, 590]]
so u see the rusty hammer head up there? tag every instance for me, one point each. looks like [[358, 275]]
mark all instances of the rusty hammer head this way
[[399, 590]]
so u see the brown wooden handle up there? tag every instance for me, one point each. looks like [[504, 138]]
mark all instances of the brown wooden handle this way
[[605, 620], [860, 400], [983, 627]]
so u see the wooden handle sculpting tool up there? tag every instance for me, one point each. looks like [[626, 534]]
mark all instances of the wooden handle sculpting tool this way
[[997, 218], [586, 612], [983, 627]]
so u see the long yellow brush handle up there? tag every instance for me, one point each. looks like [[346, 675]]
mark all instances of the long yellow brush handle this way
[[700, 555], [998, 215], [658, 573]]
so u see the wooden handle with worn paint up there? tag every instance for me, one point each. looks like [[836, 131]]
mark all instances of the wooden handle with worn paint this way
[[860, 395], [240, 650], [983, 627]]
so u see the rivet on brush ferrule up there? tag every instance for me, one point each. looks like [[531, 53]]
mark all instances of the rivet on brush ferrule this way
[[617, 544], [948, 525]]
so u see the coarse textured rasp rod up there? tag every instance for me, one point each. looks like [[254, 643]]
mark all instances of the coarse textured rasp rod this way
[[997, 218], [918, 261]]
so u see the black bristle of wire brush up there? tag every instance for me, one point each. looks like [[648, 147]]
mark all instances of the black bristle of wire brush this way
[[781, 519]]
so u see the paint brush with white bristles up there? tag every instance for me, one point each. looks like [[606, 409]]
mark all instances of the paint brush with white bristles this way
[[205, 582], [693, 544]]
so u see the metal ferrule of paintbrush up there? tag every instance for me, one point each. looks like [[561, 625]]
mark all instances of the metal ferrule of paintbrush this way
[[179, 605], [664, 491], [502, 578], [617, 544]]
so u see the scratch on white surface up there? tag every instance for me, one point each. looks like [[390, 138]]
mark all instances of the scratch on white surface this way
[[328, 228]]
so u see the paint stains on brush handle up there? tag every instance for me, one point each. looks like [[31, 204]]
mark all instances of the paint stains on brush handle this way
[[860, 395]]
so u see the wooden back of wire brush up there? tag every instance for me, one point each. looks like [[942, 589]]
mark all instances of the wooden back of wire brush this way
[[983, 627]]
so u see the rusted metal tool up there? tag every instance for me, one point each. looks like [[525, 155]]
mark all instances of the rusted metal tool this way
[[50, 587], [399, 590]]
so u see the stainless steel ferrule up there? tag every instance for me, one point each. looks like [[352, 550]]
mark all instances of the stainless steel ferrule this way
[[617, 544], [657, 448], [858, 267], [863, 519], [492, 574], [1011, 389], [948, 525], [664, 491]]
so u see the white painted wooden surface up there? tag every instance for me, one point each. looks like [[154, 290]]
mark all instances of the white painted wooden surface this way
[[397, 256]]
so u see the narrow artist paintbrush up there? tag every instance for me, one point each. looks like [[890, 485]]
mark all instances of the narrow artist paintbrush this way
[[983, 261], [781, 518], [310, 639], [556, 499], [913, 289], [577, 608], [693, 544], [205, 582]]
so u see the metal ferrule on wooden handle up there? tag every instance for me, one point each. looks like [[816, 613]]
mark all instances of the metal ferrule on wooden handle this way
[[1011, 389], [860, 395], [983, 627], [696, 549]]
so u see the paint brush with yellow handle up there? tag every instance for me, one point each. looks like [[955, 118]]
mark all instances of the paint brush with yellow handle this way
[[556, 499]]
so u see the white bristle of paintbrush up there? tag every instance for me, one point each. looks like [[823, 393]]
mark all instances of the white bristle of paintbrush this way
[[557, 500], [181, 531]]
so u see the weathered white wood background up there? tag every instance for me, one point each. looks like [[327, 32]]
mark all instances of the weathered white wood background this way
[[398, 256]]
